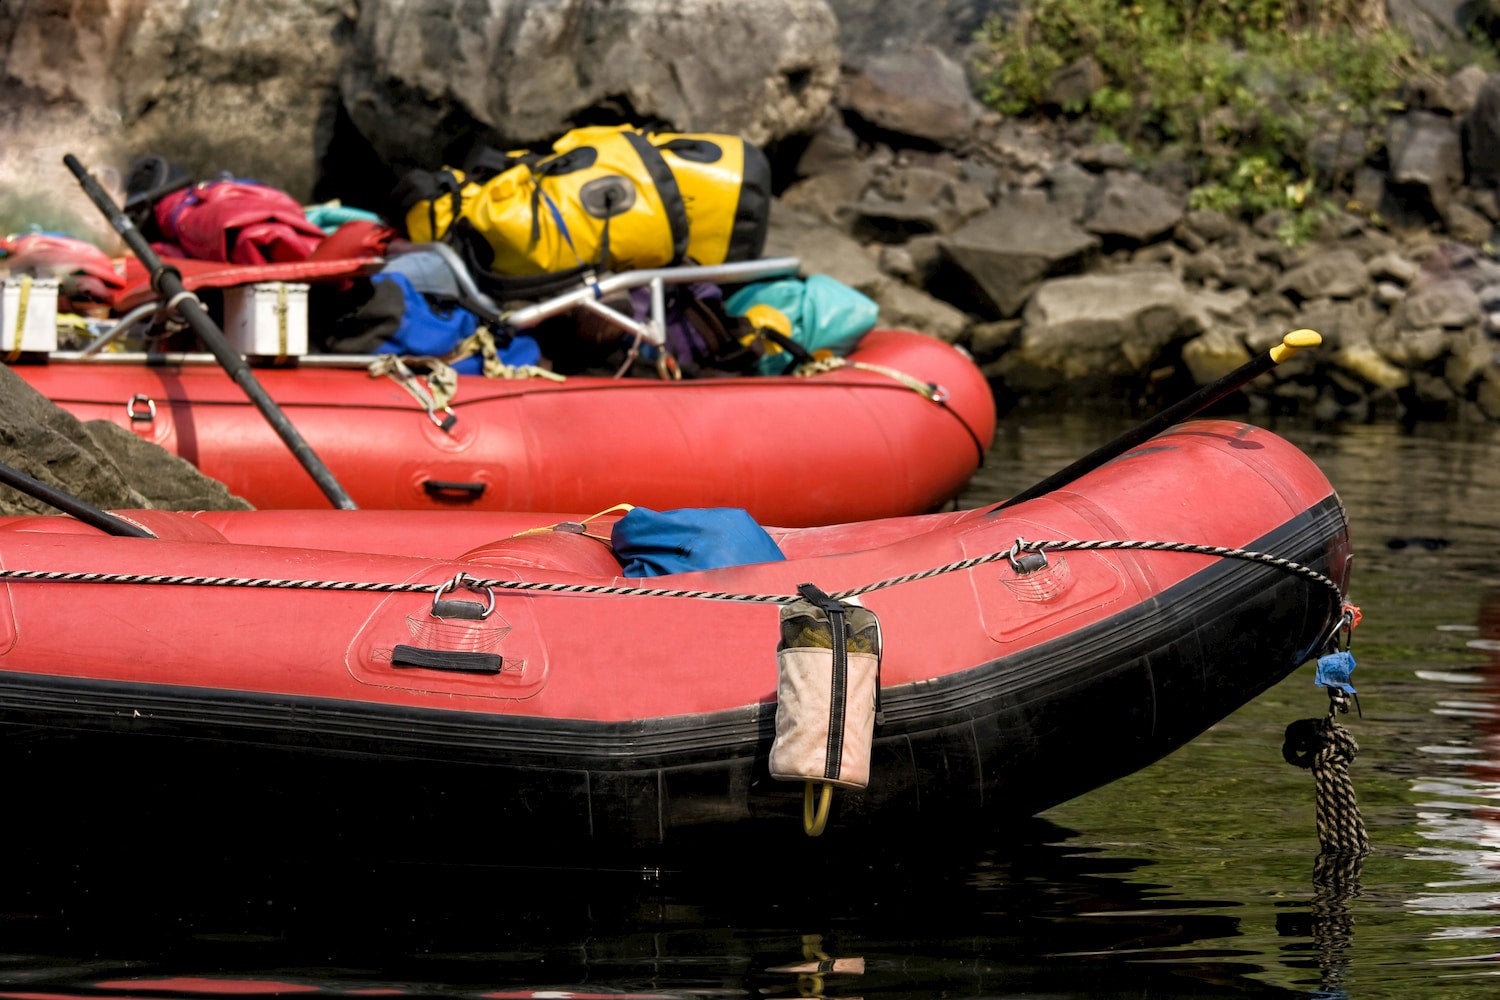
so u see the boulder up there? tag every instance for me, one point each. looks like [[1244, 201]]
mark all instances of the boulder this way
[[424, 78], [1427, 159], [823, 249], [247, 88], [324, 98], [1338, 274], [871, 27], [1126, 208], [1481, 134], [924, 201], [1090, 328], [96, 462], [918, 92], [1449, 303], [1006, 253]]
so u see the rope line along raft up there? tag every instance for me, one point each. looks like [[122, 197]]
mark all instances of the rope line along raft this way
[[1012, 555], [927, 390]]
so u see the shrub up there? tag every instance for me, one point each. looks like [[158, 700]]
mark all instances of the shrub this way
[[1247, 92]]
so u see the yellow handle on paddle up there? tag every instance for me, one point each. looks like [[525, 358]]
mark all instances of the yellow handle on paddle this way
[[1293, 342]]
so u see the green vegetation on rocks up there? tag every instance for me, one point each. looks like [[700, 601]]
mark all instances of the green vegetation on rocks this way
[[1272, 104]]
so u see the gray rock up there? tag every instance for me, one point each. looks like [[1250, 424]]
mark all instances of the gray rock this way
[[1091, 327], [909, 308], [832, 146], [1201, 227], [1389, 294], [97, 463], [1481, 132], [917, 200], [249, 88], [422, 75], [1487, 392], [1339, 322], [264, 90], [831, 196], [1070, 87], [822, 249], [1435, 25], [1071, 188], [1338, 274], [1007, 251], [1392, 266], [1464, 223], [1464, 87], [1206, 267], [873, 27], [1128, 207], [1426, 157], [918, 92], [1412, 349], [1104, 156], [1471, 359], [1449, 303]]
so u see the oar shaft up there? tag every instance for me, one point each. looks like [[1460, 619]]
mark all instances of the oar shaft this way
[[1176, 413], [167, 282], [87, 513]]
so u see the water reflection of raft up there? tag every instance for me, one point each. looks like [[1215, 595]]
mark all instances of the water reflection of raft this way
[[567, 705]]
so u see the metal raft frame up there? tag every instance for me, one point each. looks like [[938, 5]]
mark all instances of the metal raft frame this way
[[590, 295]]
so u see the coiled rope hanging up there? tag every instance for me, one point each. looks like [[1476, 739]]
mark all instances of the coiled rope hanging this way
[[1327, 749]]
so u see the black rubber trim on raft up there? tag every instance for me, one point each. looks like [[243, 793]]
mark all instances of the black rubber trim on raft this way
[[1037, 675]]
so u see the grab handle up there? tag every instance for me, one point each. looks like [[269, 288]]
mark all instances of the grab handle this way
[[468, 490]]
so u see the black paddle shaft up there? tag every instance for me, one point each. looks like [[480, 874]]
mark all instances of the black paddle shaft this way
[[1176, 413], [167, 282], [68, 504]]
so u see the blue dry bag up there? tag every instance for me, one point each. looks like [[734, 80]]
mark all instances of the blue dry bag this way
[[429, 331], [658, 542]]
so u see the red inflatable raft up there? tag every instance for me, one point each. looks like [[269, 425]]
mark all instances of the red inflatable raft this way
[[896, 427], [1027, 653]]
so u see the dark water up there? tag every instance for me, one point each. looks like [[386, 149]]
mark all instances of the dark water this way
[[1193, 878]]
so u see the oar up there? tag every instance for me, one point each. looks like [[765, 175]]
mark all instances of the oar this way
[[1216, 390], [88, 514], [167, 282]]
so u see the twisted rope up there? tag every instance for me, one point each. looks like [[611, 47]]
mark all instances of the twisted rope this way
[[927, 390], [830, 364], [1327, 749], [1078, 545], [1021, 545]]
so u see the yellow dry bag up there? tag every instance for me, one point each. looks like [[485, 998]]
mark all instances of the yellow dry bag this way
[[616, 197]]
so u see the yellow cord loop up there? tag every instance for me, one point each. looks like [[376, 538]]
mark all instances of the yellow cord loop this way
[[580, 527], [815, 813]]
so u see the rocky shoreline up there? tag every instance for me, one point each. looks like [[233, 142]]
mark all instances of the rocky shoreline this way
[[1067, 270], [1071, 275]]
